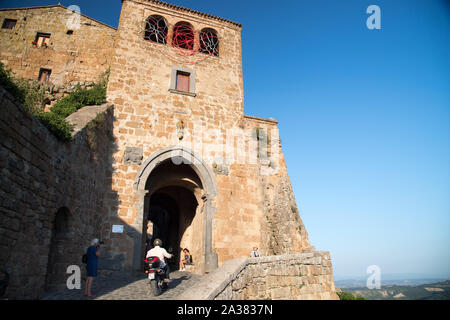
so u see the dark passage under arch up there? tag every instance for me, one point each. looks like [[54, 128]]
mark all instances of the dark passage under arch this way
[[171, 212]]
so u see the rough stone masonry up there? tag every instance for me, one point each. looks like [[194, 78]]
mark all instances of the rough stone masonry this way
[[177, 158]]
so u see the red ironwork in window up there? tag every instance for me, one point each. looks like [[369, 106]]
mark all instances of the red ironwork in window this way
[[183, 36]]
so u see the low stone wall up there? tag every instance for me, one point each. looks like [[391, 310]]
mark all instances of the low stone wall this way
[[303, 276]]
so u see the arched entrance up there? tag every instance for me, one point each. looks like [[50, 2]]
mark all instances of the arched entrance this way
[[56, 265], [175, 190]]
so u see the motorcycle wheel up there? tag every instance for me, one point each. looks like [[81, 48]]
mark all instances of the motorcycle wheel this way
[[155, 289]]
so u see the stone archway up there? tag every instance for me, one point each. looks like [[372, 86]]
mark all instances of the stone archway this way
[[176, 217], [186, 171]]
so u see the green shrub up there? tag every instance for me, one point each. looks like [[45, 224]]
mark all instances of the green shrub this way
[[57, 124], [34, 95], [94, 96], [28, 93], [65, 107], [31, 95], [80, 98]]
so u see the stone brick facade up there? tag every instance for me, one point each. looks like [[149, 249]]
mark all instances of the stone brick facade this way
[[250, 200], [78, 49], [306, 276]]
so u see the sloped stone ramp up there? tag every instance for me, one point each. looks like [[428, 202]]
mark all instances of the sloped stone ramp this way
[[128, 287]]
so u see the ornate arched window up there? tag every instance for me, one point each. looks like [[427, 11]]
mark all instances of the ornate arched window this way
[[156, 29], [209, 42], [183, 36]]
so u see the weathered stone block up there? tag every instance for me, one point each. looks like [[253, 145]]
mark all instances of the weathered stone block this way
[[133, 155]]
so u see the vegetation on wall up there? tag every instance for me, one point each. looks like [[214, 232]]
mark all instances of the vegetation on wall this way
[[31, 96], [92, 127]]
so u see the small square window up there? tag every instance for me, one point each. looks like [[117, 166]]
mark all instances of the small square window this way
[[9, 24], [42, 39], [182, 81], [44, 75]]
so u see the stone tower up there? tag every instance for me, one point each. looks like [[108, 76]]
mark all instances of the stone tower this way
[[190, 167]]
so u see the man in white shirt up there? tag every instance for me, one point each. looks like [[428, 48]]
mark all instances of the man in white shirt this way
[[159, 252]]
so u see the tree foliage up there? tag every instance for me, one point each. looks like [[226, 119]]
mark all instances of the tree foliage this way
[[349, 296]]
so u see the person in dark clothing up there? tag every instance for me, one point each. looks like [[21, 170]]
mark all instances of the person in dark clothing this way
[[93, 253], [3, 282]]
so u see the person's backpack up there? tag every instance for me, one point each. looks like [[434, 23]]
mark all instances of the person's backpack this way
[[84, 258]]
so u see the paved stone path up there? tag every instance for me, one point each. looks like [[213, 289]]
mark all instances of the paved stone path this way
[[128, 287]]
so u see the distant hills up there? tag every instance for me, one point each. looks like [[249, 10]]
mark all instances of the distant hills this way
[[361, 282], [423, 291]]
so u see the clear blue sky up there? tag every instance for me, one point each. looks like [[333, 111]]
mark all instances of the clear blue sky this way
[[363, 115]]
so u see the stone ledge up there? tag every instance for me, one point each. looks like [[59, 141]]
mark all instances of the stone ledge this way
[[191, 94], [83, 116], [213, 284], [286, 257], [259, 119]]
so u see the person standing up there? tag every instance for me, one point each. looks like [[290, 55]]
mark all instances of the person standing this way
[[255, 252], [93, 253]]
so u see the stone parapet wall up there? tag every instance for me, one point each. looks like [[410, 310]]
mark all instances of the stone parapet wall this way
[[282, 229], [304, 276]]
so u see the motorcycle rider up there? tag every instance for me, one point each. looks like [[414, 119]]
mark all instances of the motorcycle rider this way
[[161, 253]]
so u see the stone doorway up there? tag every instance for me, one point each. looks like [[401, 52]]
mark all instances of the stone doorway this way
[[174, 219], [57, 259], [174, 198], [175, 211]]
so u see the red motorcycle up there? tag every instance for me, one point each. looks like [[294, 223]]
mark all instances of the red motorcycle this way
[[158, 276]]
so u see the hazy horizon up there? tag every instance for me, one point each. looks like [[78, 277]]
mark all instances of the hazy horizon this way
[[396, 276]]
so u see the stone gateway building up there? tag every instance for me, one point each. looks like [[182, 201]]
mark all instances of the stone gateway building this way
[[176, 157]]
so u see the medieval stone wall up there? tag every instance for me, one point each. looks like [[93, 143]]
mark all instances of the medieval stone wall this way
[[51, 198], [281, 228], [305, 276], [76, 54]]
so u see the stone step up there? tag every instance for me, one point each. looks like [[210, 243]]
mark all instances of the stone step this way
[[189, 267]]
